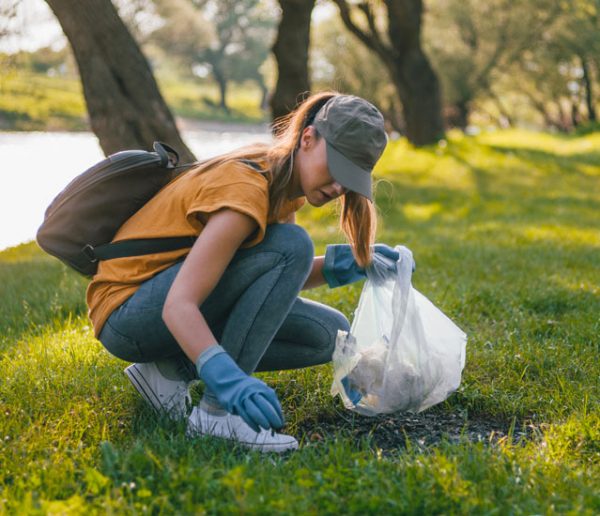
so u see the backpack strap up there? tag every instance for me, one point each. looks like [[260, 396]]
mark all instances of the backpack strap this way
[[144, 246], [136, 247], [252, 164]]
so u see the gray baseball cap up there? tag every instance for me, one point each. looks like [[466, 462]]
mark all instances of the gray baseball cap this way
[[355, 139]]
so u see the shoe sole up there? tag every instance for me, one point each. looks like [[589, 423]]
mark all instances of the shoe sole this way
[[139, 382], [275, 448]]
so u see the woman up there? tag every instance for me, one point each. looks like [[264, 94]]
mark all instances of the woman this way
[[229, 306]]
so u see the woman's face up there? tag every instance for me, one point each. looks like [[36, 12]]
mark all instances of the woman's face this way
[[311, 173]]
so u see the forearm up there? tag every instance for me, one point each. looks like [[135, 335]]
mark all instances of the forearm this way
[[187, 324], [315, 279]]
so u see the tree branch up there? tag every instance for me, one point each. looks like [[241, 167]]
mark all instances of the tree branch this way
[[365, 7], [371, 39]]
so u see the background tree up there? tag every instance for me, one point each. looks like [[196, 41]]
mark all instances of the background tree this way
[[227, 39], [8, 15], [340, 61], [573, 48], [398, 45], [472, 43], [125, 105], [246, 64], [291, 53]]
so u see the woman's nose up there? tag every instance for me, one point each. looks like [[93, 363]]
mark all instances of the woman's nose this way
[[338, 188]]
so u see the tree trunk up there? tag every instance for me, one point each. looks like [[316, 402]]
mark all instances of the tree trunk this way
[[124, 103], [575, 118], [222, 83], [418, 86], [565, 115], [589, 96], [457, 115], [264, 93], [415, 81], [291, 53]]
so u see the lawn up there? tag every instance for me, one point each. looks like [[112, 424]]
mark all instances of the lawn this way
[[36, 102], [505, 230]]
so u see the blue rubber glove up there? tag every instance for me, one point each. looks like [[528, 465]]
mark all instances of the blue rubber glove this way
[[353, 395], [237, 392], [340, 267]]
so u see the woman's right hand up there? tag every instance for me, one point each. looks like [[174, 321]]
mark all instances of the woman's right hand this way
[[241, 394]]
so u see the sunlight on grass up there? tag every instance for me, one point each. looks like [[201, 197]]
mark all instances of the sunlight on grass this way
[[503, 227], [561, 235], [30, 102], [34, 102], [421, 212]]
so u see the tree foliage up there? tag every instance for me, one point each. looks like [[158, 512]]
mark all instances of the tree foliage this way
[[228, 39], [340, 61], [520, 57]]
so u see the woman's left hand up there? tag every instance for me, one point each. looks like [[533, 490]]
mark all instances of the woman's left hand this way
[[340, 267]]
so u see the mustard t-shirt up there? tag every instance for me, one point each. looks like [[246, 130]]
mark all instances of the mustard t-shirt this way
[[174, 212]]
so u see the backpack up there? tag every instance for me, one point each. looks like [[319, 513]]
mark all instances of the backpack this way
[[83, 218]]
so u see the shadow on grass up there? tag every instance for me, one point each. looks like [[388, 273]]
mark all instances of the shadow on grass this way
[[536, 157]]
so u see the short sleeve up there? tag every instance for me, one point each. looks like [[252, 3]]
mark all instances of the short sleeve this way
[[236, 187]]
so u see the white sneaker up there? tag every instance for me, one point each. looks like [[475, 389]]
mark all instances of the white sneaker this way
[[166, 396], [234, 428]]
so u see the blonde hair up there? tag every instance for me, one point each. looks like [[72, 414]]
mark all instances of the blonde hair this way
[[358, 218]]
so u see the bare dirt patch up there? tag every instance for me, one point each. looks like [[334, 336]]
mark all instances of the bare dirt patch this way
[[392, 431]]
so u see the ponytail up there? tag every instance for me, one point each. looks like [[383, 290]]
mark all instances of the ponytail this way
[[358, 218], [358, 221]]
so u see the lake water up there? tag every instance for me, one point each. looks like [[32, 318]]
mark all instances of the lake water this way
[[36, 166]]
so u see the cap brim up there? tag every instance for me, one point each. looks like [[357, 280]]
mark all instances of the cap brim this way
[[348, 174]]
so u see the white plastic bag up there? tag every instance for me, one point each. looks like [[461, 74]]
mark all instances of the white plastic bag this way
[[402, 353]]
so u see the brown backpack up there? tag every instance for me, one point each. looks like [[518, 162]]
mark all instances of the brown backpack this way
[[82, 220]]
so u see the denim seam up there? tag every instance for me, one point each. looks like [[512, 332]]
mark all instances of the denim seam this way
[[120, 334], [278, 266], [130, 340], [317, 321]]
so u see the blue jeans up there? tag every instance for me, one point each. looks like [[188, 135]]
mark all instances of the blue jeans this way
[[254, 312]]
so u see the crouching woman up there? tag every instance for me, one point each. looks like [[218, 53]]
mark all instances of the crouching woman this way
[[230, 305]]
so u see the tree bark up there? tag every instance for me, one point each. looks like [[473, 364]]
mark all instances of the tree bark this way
[[413, 77], [291, 53], [222, 84], [124, 103], [457, 115], [589, 95], [264, 93]]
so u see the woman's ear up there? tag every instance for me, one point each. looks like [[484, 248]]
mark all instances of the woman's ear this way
[[307, 137]]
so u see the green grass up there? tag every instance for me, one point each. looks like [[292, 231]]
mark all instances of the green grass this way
[[189, 99], [505, 232], [36, 102]]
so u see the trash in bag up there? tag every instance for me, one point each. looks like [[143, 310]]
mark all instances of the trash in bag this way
[[402, 352]]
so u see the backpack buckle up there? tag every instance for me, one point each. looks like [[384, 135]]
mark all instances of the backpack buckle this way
[[88, 252]]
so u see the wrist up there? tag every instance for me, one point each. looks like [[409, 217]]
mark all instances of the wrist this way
[[207, 355], [328, 269]]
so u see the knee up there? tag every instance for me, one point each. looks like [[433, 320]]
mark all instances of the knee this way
[[295, 243], [338, 321], [342, 321]]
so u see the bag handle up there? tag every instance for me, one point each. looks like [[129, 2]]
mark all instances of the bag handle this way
[[167, 154], [402, 287]]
